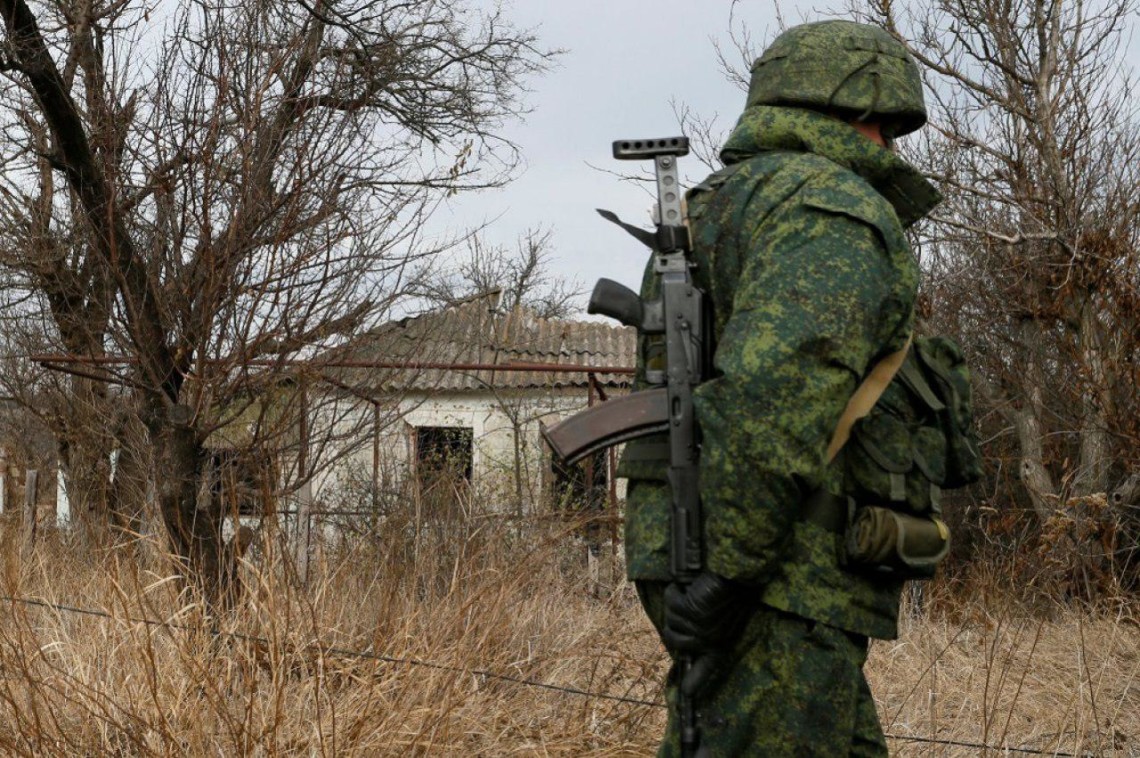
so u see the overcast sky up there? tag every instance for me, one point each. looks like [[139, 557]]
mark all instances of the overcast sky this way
[[626, 62]]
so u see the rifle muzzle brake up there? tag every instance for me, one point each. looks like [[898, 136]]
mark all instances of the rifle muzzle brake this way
[[639, 149]]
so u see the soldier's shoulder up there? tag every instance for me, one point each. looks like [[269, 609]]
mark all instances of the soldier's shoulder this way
[[834, 189], [790, 180]]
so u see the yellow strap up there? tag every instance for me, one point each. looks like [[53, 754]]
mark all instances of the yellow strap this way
[[865, 397]]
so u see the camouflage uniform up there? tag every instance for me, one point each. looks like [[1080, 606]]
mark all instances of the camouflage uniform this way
[[799, 242]]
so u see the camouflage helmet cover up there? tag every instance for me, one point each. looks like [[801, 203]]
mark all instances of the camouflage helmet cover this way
[[842, 66]]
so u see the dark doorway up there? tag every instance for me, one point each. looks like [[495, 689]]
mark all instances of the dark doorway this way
[[580, 493]]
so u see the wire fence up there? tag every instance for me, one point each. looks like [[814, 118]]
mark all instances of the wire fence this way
[[345, 653]]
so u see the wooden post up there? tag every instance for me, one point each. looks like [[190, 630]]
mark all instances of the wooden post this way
[[3, 479], [376, 456], [304, 529], [30, 485], [304, 525]]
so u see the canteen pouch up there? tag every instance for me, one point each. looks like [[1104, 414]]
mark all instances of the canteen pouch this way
[[882, 540]]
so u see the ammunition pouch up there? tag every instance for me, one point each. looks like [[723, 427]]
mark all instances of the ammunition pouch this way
[[917, 441]]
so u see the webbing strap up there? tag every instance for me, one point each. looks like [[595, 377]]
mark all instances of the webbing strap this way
[[865, 397], [911, 374]]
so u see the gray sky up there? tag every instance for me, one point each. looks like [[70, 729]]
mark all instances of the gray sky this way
[[625, 61]]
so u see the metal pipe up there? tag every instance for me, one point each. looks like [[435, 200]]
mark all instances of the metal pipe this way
[[567, 368]]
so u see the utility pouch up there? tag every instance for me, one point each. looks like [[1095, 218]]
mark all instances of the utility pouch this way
[[882, 540], [919, 439]]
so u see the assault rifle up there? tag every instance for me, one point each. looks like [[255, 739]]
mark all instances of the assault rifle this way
[[679, 315]]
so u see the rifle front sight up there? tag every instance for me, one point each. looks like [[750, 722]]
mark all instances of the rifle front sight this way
[[640, 149]]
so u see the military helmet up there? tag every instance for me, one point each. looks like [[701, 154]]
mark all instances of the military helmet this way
[[842, 66]]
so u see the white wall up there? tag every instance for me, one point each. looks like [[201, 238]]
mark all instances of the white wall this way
[[487, 415]]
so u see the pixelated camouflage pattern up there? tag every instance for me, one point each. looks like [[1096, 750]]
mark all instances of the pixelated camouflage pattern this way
[[896, 431], [919, 439], [841, 66], [795, 689], [799, 243]]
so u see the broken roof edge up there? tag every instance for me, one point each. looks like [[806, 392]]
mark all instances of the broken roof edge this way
[[461, 346]]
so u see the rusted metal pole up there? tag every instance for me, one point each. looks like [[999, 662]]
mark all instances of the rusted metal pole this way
[[611, 486], [590, 380], [566, 368], [4, 504], [612, 512]]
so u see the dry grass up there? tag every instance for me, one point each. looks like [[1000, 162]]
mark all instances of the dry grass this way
[[1065, 685], [512, 600]]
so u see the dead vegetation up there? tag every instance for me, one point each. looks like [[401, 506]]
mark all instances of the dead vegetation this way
[[341, 666]]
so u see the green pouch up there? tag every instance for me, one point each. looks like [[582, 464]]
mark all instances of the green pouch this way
[[905, 546], [879, 458], [949, 378], [646, 459]]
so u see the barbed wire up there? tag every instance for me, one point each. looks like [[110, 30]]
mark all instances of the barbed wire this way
[[984, 746], [339, 652]]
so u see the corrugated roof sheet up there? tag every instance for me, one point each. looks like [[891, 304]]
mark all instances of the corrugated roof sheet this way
[[475, 331]]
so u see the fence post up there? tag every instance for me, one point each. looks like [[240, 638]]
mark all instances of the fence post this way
[[62, 503], [3, 479], [30, 485], [304, 530]]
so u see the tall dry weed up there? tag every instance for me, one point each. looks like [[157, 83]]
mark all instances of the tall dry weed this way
[[439, 612]]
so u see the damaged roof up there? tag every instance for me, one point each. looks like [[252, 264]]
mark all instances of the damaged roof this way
[[476, 332]]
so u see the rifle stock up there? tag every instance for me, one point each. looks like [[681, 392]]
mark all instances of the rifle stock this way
[[611, 423]]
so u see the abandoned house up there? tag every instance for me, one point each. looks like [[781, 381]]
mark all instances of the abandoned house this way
[[451, 401], [444, 408]]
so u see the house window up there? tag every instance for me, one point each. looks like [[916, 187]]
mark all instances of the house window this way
[[443, 454]]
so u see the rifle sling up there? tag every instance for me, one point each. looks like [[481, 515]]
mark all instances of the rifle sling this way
[[860, 404], [865, 397]]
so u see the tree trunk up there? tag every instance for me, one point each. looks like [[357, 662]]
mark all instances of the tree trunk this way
[[190, 510], [131, 478], [1035, 475], [1096, 440], [1127, 494], [85, 446]]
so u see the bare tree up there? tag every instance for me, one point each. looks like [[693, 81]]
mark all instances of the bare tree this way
[[1031, 261], [522, 274], [1032, 257], [1036, 142], [220, 190]]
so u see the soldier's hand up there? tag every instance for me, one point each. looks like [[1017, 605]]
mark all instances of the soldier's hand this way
[[705, 670], [704, 616]]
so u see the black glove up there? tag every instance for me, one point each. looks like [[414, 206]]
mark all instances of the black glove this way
[[703, 619], [703, 616]]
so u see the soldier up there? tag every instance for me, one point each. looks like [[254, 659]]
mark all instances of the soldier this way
[[799, 244]]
